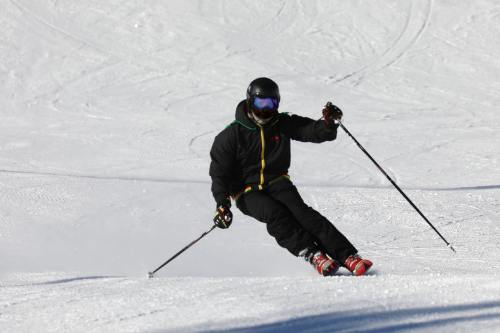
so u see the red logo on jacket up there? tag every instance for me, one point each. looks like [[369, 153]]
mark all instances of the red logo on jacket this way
[[275, 138]]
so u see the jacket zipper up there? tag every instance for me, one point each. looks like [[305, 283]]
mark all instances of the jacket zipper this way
[[262, 158]]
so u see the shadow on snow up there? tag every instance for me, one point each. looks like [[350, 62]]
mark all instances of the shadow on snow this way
[[430, 318], [66, 280]]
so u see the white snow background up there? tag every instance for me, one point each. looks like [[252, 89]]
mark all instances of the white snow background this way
[[108, 111]]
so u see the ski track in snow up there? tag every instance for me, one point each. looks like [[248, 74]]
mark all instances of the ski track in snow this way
[[108, 112], [413, 28], [207, 182]]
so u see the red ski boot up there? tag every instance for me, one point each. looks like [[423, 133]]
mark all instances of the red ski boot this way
[[321, 262], [357, 265]]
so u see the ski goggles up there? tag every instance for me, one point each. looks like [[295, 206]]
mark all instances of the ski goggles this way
[[264, 103]]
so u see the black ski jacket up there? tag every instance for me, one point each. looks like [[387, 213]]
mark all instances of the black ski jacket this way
[[246, 156]]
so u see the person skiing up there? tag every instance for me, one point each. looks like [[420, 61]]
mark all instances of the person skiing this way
[[250, 159]]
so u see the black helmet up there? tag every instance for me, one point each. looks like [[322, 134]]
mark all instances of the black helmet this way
[[263, 87], [263, 98]]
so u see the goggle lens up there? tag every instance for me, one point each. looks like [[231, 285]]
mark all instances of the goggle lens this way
[[263, 103]]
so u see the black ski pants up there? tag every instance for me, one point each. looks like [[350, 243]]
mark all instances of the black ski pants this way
[[293, 224]]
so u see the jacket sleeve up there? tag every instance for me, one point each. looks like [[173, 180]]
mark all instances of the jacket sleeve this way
[[308, 130], [223, 156]]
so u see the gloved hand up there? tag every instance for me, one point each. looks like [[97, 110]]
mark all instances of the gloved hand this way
[[223, 217], [332, 114]]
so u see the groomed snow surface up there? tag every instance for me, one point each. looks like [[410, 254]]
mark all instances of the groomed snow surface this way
[[108, 111]]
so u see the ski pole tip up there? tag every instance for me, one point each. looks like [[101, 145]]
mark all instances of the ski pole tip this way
[[150, 275], [452, 248]]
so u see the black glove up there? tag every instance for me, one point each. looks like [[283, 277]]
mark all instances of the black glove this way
[[331, 114], [223, 217]]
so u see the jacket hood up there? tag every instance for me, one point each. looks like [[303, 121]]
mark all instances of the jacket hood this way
[[241, 115]]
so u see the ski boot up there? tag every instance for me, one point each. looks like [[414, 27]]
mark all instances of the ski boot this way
[[323, 264], [357, 265]]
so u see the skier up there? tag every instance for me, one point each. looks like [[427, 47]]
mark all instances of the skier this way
[[249, 163]]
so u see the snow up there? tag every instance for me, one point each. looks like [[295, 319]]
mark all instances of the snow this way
[[109, 109]]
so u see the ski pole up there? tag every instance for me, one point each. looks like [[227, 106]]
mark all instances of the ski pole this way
[[151, 274], [396, 186]]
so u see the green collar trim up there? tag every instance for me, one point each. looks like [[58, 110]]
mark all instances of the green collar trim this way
[[239, 122], [253, 128]]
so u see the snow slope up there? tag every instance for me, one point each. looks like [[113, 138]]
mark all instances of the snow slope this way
[[108, 111]]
